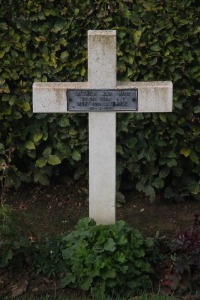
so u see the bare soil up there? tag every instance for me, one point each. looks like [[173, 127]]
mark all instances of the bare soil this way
[[56, 209]]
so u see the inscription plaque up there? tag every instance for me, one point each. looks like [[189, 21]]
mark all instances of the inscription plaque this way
[[94, 100]]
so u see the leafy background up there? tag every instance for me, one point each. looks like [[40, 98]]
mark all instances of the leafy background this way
[[47, 41]]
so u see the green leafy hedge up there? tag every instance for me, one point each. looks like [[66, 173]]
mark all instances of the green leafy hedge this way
[[156, 40]]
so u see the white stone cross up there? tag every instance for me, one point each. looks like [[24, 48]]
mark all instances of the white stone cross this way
[[52, 98]]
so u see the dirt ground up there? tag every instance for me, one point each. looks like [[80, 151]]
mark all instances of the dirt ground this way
[[55, 209], [48, 211]]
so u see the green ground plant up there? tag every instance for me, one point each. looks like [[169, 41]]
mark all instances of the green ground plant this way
[[183, 272], [106, 258], [14, 242], [47, 257], [5, 170]]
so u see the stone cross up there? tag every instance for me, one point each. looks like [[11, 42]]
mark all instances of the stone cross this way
[[52, 98]]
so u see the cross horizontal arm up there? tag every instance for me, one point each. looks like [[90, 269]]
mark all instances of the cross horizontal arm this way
[[49, 97]]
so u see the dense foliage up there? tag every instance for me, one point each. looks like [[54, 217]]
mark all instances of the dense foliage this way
[[14, 241], [106, 258], [183, 274], [156, 40]]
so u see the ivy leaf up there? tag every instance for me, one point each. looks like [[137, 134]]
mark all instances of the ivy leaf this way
[[185, 151], [149, 191], [194, 157], [111, 273], [5, 98], [158, 183], [54, 160], [110, 245], [131, 143], [65, 281], [12, 100], [155, 47], [136, 36], [30, 145], [37, 137], [149, 242], [119, 150], [41, 162], [172, 163], [177, 171], [47, 152], [120, 197], [63, 122], [82, 72], [194, 188], [133, 284], [26, 106], [164, 172], [86, 285], [163, 118], [58, 26], [41, 178], [72, 132], [76, 11], [17, 115], [64, 56], [76, 155], [196, 109]]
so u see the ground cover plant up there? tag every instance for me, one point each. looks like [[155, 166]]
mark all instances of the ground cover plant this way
[[5, 168], [106, 258], [183, 273]]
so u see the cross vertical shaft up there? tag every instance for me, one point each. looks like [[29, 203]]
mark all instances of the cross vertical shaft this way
[[102, 128]]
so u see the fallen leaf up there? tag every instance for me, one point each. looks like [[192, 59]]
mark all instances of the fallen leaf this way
[[19, 288]]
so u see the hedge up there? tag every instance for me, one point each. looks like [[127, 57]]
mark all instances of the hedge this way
[[156, 40]]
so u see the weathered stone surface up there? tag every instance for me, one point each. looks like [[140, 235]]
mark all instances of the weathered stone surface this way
[[102, 128], [50, 97], [152, 96]]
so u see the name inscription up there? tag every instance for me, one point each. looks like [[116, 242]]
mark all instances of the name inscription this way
[[102, 100]]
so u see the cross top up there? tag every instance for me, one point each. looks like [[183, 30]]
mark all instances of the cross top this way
[[102, 96]]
